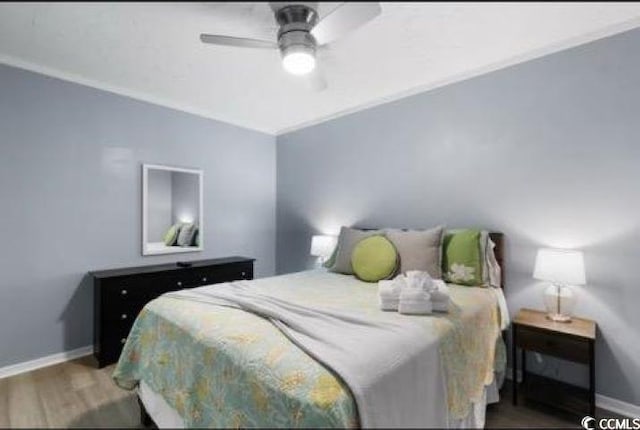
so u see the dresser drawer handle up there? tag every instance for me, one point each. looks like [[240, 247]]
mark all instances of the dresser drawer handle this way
[[123, 316], [244, 274], [179, 283], [123, 340], [204, 279], [123, 292]]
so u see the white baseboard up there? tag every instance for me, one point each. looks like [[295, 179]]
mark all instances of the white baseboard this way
[[602, 401], [49, 360], [617, 406]]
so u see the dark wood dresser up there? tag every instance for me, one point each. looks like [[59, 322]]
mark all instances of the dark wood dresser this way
[[120, 294]]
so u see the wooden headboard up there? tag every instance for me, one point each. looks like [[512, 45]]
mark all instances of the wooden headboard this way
[[497, 238]]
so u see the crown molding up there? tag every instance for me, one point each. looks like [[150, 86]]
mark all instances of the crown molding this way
[[512, 61], [126, 92]]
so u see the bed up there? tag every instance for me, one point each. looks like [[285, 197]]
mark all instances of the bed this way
[[195, 365]]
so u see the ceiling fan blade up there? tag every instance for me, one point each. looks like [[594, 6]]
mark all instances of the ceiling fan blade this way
[[316, 80], [243, 42], [344, 19]]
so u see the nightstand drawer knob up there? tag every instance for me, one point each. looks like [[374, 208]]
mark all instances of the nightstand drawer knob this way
[[204, 279], [123, 340], [123, 316], [123, 292], [179, 283], [244, 274]]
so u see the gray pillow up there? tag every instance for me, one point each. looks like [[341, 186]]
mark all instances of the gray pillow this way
[[347, 240], [187, 232], [418, 249]]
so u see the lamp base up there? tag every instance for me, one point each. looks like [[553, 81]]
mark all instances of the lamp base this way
[[559, 318], [559, 301]]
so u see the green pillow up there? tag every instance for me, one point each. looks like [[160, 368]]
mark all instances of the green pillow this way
[[171, 235], [374, 258], [462, 261]]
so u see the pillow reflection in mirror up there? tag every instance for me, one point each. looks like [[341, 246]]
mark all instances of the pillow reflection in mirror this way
[[187, 233]]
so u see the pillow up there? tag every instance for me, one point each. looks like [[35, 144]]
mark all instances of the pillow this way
[[187, 231], [171, 235], [332, 260], [196, 238], [418, 249], [494, 271], [347, 240], [374, 258], [462, 259]]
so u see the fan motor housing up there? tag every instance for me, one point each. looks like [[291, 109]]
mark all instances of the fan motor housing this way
[[296, 22]]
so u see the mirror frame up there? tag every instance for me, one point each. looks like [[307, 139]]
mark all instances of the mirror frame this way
[[145, 209]]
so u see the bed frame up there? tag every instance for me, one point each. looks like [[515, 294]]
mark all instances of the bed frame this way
[[496, 237]]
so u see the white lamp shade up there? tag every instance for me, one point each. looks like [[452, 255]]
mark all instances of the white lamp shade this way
[[560, 266], [323, 246]]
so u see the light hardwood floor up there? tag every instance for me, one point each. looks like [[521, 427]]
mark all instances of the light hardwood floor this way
[[76, 394]]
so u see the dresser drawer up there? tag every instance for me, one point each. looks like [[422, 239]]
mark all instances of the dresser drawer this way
[[567, 347], [125, 290], [121, 316], [207, 276]]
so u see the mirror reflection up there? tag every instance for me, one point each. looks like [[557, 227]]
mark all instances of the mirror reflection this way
[[172, 210]]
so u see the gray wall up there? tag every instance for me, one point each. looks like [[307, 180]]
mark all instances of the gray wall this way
[[159, 204], [546, 152], [70, 193]]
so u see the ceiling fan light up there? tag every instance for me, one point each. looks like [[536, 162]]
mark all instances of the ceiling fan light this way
[[299, 61]]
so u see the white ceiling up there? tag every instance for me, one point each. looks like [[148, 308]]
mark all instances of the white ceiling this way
[[151, 51]]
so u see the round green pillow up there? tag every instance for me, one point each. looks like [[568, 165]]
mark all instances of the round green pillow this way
[[374, 258]]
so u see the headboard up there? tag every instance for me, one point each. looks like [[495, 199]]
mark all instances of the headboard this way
[[496, 237]]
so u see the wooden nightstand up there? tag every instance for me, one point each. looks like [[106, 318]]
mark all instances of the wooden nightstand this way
[[574, 341]]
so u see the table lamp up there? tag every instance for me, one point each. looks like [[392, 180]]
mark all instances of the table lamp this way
[[322, 246], [562, 268]]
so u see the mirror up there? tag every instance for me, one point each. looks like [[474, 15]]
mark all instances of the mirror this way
[[171, 210]]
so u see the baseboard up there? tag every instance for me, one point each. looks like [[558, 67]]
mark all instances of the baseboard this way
[[602, 401], [49, 360], [617, 406]]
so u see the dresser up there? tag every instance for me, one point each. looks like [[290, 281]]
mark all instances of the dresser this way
[[120, 294]]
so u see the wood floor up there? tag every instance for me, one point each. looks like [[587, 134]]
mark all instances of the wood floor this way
[[76, 394]]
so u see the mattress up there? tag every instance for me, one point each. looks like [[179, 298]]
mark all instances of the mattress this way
[[223, 367]]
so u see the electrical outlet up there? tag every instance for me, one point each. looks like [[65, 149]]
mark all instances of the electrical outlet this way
[[538, 357]]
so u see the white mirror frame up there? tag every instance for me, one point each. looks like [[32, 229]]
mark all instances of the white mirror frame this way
[[145, 209]]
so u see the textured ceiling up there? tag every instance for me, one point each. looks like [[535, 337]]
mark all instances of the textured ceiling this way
[[151, 51]]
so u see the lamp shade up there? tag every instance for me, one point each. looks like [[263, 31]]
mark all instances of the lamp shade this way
[[560, 266], [322, 246]]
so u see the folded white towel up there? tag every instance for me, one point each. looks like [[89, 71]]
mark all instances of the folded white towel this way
[[419, 279], [389, 293], [440, 306], [439, 291], [440, 296], [414, 301]]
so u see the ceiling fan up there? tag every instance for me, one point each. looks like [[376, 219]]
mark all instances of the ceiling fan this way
[[300, 32]]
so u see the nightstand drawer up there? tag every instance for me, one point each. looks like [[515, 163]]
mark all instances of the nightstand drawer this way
[[569, 348]]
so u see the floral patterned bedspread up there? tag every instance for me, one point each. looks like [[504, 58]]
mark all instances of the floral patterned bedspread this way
[[224, 367]]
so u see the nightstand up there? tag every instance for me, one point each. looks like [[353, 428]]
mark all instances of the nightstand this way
[[573, 341]]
